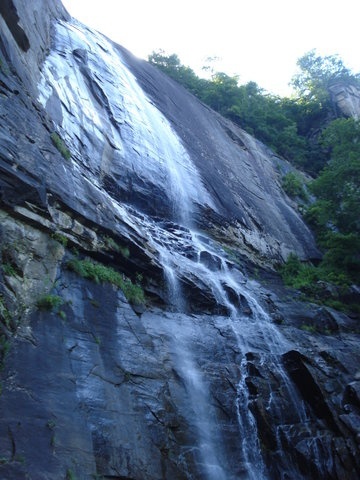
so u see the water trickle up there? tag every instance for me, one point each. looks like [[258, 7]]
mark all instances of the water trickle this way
[[250, 446], [202, 413], [173, 287]]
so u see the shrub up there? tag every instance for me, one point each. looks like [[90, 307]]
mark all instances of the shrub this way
[[293, 185], [60, 145], [100, 273], [296, 274]]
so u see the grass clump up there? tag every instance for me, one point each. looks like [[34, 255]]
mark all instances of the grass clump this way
[[308, 328], [70, 475], [49, 302], [110, 244], [100, 273], [3, 68], [9, 270], [60, 145], [58, 237], [5, 315]]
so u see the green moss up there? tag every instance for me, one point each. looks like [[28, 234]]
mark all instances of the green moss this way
[[60, 145], [62, 314], [100, 273]]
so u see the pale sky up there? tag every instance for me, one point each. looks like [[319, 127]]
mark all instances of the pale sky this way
[[259, 40]]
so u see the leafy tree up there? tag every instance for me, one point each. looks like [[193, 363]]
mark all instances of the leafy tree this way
[[336, 212], [293, 185], [172, 66], [337, 187], [317, 74]]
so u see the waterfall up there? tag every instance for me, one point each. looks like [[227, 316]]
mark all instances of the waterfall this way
[[115, 129]]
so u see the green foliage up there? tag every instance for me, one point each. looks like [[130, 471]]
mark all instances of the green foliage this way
[[110, 244], [62, 314], [49, 302], [293, 185], [59, 237], [311, 280], [342, 257], [335, 215], [297, 274], [100, 273], [308, 328], [8, 270], [171, 65], [4, 348], [317, 74], [3, 68], [60, 145], [337, 187], [5, 315], [70, 475]]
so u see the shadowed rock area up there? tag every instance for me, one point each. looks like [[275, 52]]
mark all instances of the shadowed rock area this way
[[144, 333]]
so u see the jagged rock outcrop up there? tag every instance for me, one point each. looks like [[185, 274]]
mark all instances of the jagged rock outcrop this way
[[346, 98], [115, 181]]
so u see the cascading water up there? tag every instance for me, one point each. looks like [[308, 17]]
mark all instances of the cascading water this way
[[185, 253]]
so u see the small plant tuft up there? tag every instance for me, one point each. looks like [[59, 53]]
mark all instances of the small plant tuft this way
[[49, 302], [5, 315], [9, 270], [110, 244], [308, 328], [60, 145], [70, 475], [3, 68], [59, 237]]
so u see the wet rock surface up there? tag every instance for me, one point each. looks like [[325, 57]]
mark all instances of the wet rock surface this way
[[216, 376]]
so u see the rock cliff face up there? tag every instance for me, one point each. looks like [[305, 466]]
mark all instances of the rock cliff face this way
[[111, 175], [346, 97]]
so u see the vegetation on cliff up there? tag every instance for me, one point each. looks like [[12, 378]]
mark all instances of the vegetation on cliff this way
[[306, 130]]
